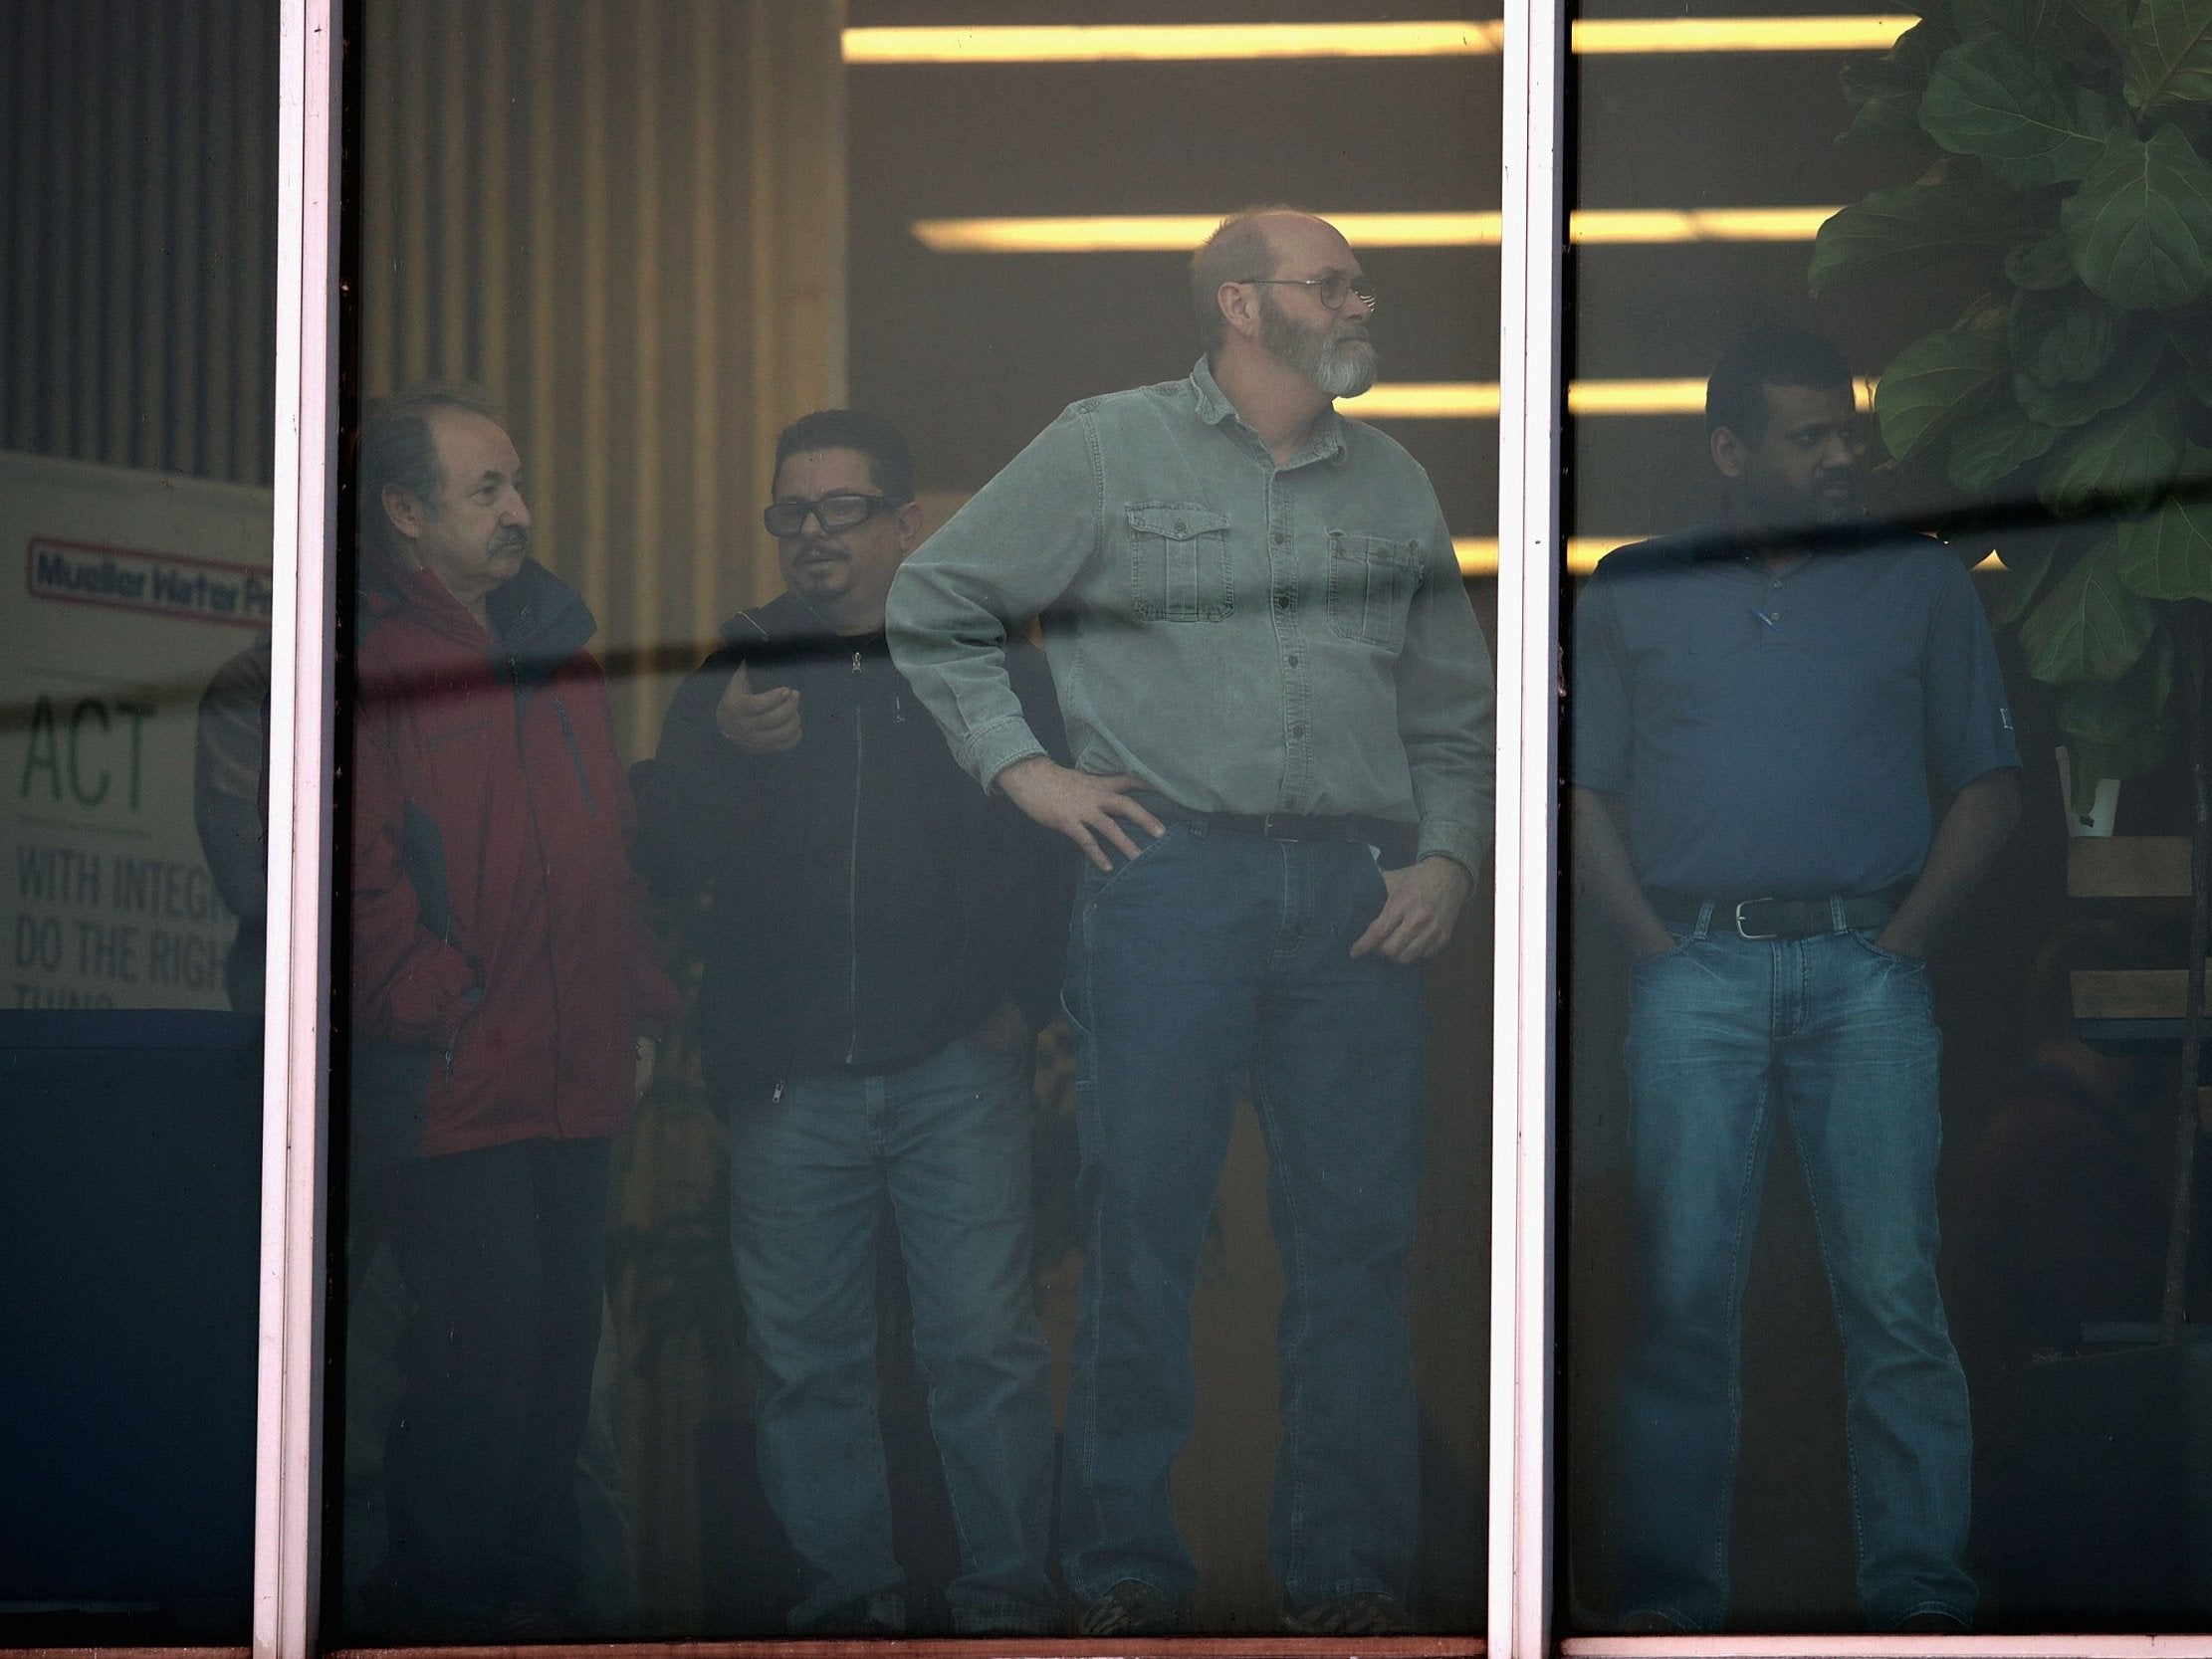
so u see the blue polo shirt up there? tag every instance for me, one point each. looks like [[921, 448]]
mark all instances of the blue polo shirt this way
[[1776, 734]]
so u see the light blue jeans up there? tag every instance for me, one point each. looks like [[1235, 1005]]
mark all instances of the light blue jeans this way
[[947, 1141], [1213, 960], [1727, 1037]]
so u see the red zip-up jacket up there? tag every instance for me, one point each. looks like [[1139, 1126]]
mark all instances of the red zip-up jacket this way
[[501, 965]]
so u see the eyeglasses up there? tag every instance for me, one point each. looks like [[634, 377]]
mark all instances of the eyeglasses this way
[[840, 511], [1332, 292]]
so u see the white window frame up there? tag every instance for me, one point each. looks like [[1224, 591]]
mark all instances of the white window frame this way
[[288, 1473], [295, 1079], [1532, 234]]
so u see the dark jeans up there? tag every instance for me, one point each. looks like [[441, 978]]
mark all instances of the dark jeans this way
[[1213, 960], [1729, 1040], [947, 1141], [504, 1251]]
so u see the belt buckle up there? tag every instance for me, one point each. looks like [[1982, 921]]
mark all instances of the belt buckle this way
[[1268, 827], [1740, 932]]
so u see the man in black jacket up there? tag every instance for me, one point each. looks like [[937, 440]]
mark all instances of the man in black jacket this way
[[883, 943]]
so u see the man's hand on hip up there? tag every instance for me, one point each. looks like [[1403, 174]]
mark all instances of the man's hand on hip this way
[[1084, 808], [1420, 905], [757, 723], [1003, 1030]]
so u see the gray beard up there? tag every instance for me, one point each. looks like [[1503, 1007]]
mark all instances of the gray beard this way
[[1336, 368], [1345, 370]]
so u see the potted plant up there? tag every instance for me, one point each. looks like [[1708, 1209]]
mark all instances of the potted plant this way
[[2061, 152]]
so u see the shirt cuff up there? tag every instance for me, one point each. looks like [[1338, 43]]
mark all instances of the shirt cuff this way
[[1462, 843], [990, 750]]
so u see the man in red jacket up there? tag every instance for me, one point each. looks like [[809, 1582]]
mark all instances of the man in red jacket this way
[[506, 996]]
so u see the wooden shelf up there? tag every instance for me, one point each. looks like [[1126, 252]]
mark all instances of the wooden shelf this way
[[2133, 993], [2127, 866]]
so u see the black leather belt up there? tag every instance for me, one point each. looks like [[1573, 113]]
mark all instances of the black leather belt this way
[[1777, 918], [1396, 841]]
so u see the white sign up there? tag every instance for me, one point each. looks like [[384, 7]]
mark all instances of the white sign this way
[[134, 588]]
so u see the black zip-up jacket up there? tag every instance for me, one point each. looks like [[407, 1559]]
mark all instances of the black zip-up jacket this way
[[868, 903]]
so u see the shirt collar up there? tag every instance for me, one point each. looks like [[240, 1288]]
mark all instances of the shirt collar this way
[[1214, 407]]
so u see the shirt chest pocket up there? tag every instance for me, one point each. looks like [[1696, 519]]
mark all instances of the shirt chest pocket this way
[[1371, 587], [1178, 563]]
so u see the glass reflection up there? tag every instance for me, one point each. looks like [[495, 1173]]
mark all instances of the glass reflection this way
[[135, 441], [846, 1222]]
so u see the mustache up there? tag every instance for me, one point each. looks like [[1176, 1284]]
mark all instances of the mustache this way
[[510, 535]]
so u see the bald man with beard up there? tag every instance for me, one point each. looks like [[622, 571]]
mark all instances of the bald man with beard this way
[[1280, 710]]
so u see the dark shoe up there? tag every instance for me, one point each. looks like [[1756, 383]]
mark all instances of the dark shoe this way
[[1366, 1613], [1131, 1608], [1934, 1622]]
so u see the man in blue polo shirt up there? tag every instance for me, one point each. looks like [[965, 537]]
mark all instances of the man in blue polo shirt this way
[[1758, 709]]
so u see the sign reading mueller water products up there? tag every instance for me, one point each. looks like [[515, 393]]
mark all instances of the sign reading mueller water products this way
[[165, 585], [137, 589]]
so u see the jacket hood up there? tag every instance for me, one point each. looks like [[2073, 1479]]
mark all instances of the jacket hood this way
[[539, 621]]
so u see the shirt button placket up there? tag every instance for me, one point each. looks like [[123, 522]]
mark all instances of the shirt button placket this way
[[1297, 692]]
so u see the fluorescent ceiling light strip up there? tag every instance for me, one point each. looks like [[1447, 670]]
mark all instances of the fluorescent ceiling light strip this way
[[1200, 42], [1171, 42], [1837, 33], [1416, 400], [1478, 555], [1132, 232], [1697, 224]]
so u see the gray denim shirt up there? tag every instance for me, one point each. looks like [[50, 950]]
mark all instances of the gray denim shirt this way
[[1241, 637]]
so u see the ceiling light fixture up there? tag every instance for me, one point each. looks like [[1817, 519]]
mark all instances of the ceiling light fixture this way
[[1232, 42], [1135, 233]]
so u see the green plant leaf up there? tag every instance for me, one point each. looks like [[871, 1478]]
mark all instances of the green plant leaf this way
[[2169, 56], [1901, 231], [2121, 727], [1935, 380], [2135, 359], [2108, 715], [1886, 92], [2061, 337], [1991, 446], [2140, 225], [2043, 262], [2168, 556], [2016, 109], [2027, 561], [2119, 463], [2097, 29], [2145, 750], [2089, 627], [2022, 20]]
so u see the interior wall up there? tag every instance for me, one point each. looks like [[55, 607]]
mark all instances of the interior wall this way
[[626, 223], [138, 252]]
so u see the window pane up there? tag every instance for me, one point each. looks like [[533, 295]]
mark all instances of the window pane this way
[[1873, 1128], [821, 1287], [136, 246]]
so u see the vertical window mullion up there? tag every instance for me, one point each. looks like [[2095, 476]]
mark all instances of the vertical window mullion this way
[[1529, 357], [295, 1087]]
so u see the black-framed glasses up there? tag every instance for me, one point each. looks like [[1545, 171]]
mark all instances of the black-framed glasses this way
[[842, 511], [1332, 292]]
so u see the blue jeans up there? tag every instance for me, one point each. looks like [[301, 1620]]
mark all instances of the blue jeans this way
[[1211, 959], [1839, 1035], [947, 1140]]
